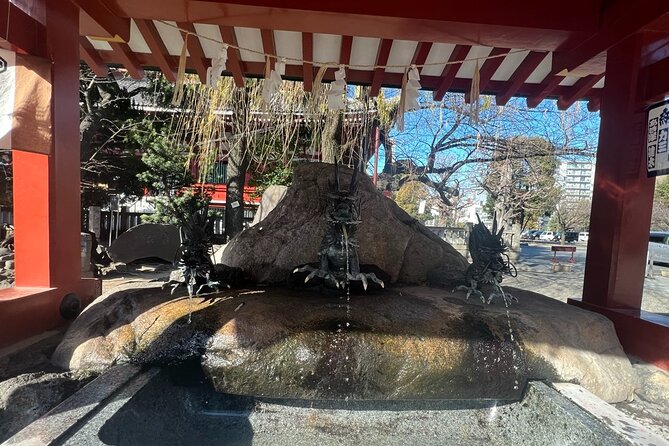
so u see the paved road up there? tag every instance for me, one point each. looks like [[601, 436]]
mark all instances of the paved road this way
[[534, 274]]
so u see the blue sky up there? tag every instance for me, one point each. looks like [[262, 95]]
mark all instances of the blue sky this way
[[575, 128]]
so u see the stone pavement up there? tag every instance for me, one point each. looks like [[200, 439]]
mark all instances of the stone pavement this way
[[534, 274]]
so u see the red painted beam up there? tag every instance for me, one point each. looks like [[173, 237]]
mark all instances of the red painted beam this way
[[580, 89], [546, 88], [129, 59], [235, 64], [24, 34], [655, 82], [345, 51], [268, 45], [421, 53], [308, 54], [487, 70], [594, 104], [448, 74], [195, 51], [620, 20], [571, 15], [92, 58], [160, 54], [518, 78], [381, 59], [112, 24]]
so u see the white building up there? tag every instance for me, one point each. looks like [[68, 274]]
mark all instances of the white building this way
[[576, 178]]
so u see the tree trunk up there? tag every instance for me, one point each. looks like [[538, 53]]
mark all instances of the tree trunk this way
[[238, 164], [234, 202], [388, 151]]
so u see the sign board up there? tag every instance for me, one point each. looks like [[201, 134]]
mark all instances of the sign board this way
[[657, 139], [7, 93], [25, 102]]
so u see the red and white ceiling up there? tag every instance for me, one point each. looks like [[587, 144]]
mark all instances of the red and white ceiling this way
[[558, 56]]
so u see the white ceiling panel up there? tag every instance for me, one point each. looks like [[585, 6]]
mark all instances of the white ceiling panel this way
[[249, 38], [509, 65], [100, 44], [363, 52], [326, 48], [401, 53], [466, 70], [171, 37], [210, 39], [288, 44], [439, 54], [568, 81], [137, 43], [540, 72]]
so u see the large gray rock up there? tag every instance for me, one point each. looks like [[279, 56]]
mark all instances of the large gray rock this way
[[145, 241], [291, 234], [407, 343], [270, 198]]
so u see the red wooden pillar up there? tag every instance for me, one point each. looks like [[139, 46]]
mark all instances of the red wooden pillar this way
[[621, 210], [47, 199]]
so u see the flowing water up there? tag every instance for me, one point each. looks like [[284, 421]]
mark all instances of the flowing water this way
[[516, 358]]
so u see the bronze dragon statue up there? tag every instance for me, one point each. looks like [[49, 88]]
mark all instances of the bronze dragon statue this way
[[338, 256], [489, 263], [196, 270]]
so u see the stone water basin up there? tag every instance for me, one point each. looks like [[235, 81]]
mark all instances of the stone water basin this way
[[404, 343], [178, 406]]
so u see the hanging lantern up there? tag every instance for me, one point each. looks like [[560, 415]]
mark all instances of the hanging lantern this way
[[272, 83], [337, 92], [217, 67]]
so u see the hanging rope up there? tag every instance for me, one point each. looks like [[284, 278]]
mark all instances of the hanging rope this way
[[181, 74], [334, 63], [474, 95]]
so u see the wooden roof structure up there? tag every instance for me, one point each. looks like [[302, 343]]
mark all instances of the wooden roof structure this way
[[531, 49]]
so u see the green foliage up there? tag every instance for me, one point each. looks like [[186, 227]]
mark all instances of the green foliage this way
[[109, 162], [409, 197], [522, 188], [662, 191], [167, 169], [277, 174], [176, 209]]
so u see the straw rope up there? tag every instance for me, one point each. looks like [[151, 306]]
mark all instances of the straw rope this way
[[334, 63]]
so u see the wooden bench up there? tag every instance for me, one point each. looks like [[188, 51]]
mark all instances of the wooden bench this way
[[563, 248]]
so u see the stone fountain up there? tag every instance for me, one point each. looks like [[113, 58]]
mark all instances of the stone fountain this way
[[408, 341], [280, 362]]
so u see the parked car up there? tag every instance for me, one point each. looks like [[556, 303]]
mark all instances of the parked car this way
[[583, 236], [570, 236], [525, 235], [534, 234], [658, 247], [547, 236]]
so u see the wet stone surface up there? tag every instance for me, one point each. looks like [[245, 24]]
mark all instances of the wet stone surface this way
[[413, 343]]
